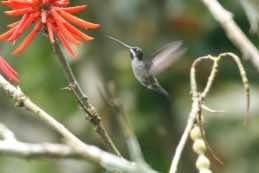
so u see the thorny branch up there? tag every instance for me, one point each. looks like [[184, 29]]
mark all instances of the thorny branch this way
[[199, 97], [234, 33], [82, 99], [87, 152]]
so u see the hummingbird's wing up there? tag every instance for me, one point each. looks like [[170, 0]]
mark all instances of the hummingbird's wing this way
[[166, 56]]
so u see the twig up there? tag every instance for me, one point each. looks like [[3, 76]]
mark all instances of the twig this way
[[235, 34], [88, 152], [212, 75], [46, 150], [210, 81], [6, 134], [82, 99], [208, 109], [185, 135], [9, 145], [192, 116], [110, 97], [244, 80]]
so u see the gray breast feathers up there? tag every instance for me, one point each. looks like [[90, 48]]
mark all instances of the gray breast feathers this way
[[141, 72]]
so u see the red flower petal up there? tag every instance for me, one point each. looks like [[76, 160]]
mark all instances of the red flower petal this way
[[15, 33], [8, 71], [52, 14], [19, 12], [22, 2], [80, 22], [11, 25], [74, 9], [61, 3], [65, 44], [45, 2], [7, 34], [27, 22], [62, 28], [28, 38], [36, 2], [78, 33], [50, 32], [17, 4]]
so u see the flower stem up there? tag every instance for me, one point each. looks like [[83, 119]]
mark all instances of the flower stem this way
[[83, 101]]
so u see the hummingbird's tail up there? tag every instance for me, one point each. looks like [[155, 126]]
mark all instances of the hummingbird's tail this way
[[160, 90]]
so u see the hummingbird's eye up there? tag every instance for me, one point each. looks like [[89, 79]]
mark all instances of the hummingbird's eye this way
[[136, 52]]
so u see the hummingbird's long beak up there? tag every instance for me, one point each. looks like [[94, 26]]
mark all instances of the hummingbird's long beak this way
[[119, 42]]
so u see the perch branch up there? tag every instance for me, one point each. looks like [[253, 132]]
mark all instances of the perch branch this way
[[9, 145], [82, 99], [234, 33], [87, 152], [46, 150]]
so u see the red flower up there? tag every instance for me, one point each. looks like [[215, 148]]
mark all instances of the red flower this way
[[8, 71], [53, 15]]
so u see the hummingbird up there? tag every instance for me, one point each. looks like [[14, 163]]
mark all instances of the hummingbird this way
[[145, 69]]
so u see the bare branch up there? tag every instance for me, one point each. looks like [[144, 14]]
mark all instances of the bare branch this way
[[212, 76], [9, 145], [235, 34], [185, 135], [87, 152], [6, 134], [83, 101], [27, 150], [196, 99]]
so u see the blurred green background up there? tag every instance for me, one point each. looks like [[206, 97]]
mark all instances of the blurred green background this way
[[148, 24]]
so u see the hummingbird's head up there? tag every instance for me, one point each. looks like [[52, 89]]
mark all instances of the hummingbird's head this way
[[136, 52]]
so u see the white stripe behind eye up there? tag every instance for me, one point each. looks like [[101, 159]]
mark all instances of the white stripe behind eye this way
[[133, 52]]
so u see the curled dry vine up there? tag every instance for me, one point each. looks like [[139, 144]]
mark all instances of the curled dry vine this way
[[198, 99]]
